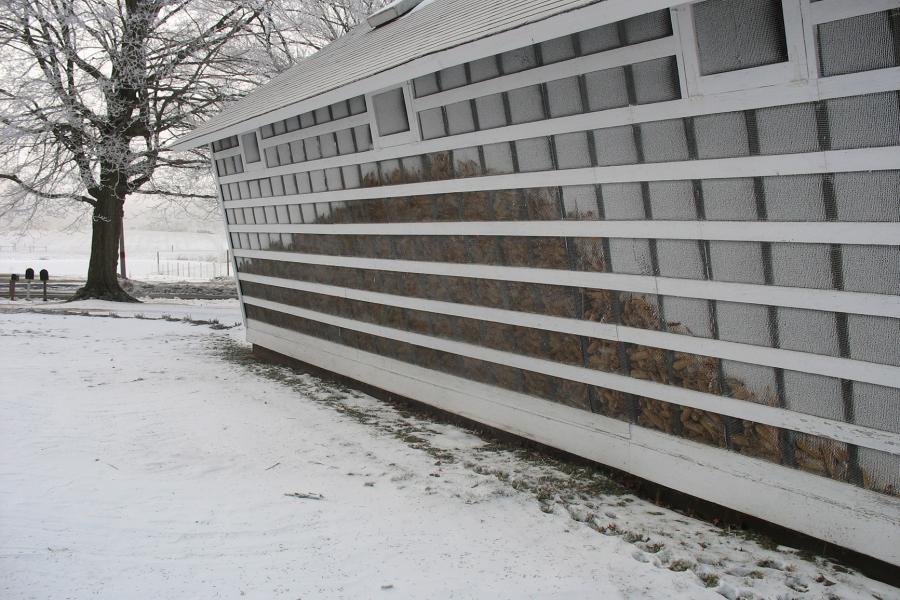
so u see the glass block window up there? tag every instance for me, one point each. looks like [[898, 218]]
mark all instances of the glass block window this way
[[861, 43], [251, 147], [739, 34], [319, 116], [225, 143], [390, 112]]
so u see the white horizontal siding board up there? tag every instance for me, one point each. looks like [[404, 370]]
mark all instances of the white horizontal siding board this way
[[798, 232], [834, 10], [845, 368], [236, 151], [867, 82], [567, 68], [873, 82], [778, 417], [882, 305], [865, 159], [840, 513], [330, 127]]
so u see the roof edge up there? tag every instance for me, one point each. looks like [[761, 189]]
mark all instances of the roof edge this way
[[535, 31], [392, 11]]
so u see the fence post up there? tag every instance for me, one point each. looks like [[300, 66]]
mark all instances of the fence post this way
[[12, 286], [29, 277], [45, 276]]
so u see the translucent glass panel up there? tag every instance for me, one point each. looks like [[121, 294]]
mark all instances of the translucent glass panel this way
[[390, 112], [862, 43], [739, 34], [251, 147], [325, 114]]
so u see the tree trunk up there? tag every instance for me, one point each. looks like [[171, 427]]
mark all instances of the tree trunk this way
[[102, 282]]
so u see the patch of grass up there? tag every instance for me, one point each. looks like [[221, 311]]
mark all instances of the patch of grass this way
[[654, 547], [709, 580], [632, 537], [680, 565], [763, 540]]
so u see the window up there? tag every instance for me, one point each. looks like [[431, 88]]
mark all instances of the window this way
[[739, 34], [390, 112], [225, 144], [732, 45], [861, 43], [251, 147]]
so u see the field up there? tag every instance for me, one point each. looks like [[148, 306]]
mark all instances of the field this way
[[149, 254]]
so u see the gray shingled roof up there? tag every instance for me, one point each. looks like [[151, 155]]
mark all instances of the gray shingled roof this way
[[363, 52]]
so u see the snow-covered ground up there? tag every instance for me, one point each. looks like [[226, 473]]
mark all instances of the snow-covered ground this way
[[149, 254], [153, 458]]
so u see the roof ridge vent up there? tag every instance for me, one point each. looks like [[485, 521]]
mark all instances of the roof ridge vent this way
[[392, 11]]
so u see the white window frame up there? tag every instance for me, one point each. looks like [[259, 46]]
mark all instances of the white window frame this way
[[254, 167], [825, 11], [396, 139], [794, 69], [244, 149]]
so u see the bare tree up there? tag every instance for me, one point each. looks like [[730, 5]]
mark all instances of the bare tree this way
[[92, 94], [289, 31]]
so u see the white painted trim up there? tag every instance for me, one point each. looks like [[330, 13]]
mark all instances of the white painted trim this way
[[232, 257], [236, 151], [403, 138], [855, 518], [831, 366], [868, 233], [794, 69], [835, 10], [839, 86], [881, 305], [617, 57], [884, 441], [810, 41], [832, 161], [816, 13], [679, 53], [316, 130]]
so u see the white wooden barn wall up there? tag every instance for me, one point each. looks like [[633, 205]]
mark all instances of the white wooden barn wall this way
[[664, 248]]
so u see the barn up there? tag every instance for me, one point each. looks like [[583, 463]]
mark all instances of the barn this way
[[658, 235]]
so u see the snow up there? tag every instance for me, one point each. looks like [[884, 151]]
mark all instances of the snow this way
[[151, 458], [224, 312], [66, 254]]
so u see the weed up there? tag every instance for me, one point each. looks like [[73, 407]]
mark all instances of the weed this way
[[680, 565], [632, 537]]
